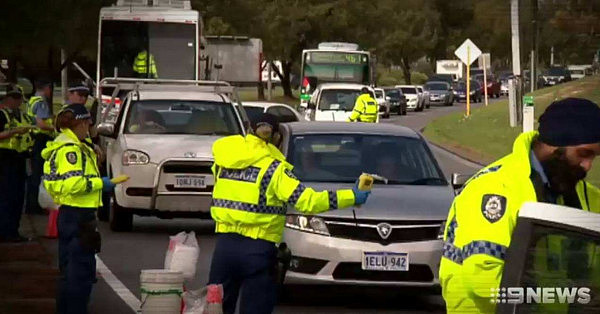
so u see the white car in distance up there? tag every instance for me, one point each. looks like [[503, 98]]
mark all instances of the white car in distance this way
[[412, 97], [334, 101]]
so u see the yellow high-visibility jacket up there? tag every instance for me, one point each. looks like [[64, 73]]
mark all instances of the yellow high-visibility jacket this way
[[253, 186], [480, 224]]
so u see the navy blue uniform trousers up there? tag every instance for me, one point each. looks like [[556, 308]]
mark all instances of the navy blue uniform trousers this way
[[249, 265], [77, 246], [12, 195]]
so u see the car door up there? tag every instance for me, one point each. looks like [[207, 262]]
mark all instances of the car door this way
[[555, 248]]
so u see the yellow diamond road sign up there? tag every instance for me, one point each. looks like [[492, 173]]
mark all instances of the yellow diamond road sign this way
[[467, 52]]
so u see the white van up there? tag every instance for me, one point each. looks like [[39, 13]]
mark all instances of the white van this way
[[334, 101]]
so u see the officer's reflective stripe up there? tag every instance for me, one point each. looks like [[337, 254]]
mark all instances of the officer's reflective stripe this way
[[66, 175], [452, 253], [259, 209], [451, 229], [266, 180], [296, 194], [484, 247], [333, 201]]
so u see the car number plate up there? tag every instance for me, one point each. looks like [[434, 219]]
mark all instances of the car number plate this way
[[385, 261], [190, 181]]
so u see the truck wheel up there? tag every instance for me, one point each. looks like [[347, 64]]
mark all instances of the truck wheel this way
[[119, 218]]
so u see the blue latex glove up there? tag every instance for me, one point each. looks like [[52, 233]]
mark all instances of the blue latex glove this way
[[360, 197], [107, 186]]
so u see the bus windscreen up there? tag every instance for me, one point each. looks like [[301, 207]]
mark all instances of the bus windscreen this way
[[330, 67]]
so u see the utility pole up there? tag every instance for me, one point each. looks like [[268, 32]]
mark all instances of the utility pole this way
[[515, 86], [552, 56], [64, 81], [534, 13]]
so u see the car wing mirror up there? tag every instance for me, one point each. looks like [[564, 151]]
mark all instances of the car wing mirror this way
[[459, 180], [106, 129]]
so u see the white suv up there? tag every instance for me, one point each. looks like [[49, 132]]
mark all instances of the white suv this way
[[162, 140]]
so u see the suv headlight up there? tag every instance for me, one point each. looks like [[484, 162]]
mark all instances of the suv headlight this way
[[441, 231], [307, 223], [134, 157]]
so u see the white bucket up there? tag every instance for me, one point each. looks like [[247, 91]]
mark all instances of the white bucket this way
[[161, 291]]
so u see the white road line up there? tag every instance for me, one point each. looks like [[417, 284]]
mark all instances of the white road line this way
[[117, 286]]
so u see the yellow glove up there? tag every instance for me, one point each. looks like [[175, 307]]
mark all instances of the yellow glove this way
[[119, 179], [365, 182]]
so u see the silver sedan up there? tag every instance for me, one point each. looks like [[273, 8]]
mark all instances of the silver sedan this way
[[392, 240]]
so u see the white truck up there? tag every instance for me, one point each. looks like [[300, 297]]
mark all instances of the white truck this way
[[451, 67]]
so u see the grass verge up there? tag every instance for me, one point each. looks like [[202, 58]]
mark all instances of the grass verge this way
[[486, 135]]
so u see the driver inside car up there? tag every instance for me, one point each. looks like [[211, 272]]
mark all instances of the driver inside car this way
[[148, 121]]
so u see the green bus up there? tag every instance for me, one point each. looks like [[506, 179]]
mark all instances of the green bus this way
[[334, 63]]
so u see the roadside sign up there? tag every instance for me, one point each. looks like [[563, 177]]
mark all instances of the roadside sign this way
[[527, 100], [468, 52]]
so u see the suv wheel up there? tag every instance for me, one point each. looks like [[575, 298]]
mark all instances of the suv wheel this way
[[119, 218]]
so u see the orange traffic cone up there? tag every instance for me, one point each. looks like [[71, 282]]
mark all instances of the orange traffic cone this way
[[51, 228]]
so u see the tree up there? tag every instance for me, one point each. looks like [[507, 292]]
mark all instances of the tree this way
[[405, 45]]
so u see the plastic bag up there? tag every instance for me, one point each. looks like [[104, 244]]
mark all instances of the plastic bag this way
[[208, 300], [182, 254], [44, 199]]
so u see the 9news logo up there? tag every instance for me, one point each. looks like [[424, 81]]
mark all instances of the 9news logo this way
[[545, 295]]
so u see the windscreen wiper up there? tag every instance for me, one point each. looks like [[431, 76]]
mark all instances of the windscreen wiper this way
[[427, 181]]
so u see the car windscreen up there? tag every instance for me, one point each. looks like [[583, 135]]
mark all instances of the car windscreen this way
[[409, 90], [343, 157], [338, 99], [181, 117], [394, 94], [378, 94], [254, 113], [434, 86], [557, 72]]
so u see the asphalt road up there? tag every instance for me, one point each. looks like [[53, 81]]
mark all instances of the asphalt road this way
[[126, 254]]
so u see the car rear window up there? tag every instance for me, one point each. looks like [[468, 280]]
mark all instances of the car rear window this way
[[434, 86], [182, 117], [342, 158], [338, 99], [394, 94]]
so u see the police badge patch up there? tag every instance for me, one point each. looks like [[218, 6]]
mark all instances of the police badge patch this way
[[290, 174], [493, 207], [72, 158]]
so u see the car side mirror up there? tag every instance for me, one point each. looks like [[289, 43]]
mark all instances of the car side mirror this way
[[459, 180], [388, 98], [312, 105], [106, 129]]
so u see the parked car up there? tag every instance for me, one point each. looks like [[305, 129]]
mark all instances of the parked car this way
[[460, 91], [383, 102], [397, 100], [162, 139], [392, 240], [423, 96], [440, 93], [556, 75], [412, 97], [284, 112], [334, 101], [580, 71]]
